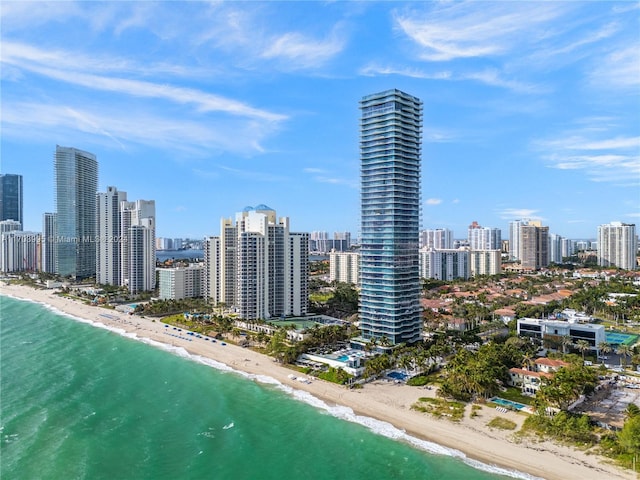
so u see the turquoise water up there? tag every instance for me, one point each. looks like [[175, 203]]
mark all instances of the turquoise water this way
[[508, 403], [79, 402]]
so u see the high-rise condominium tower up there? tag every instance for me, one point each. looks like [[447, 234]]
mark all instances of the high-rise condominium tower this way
[[109, 236], [534, 245], [439, 238], [11, 197], [258, 266], [49, 242], [617, 245], [76, 176], [138, 245], [484, 238], [390, 152]]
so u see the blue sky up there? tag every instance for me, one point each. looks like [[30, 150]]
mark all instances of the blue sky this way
[[531, 110]]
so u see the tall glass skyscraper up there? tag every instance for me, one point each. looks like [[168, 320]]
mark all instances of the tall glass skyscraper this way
[[11, 197], [390, 153], [76, 175]]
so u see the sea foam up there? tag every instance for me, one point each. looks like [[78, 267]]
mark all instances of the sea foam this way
[[342, 412], [346, 413]]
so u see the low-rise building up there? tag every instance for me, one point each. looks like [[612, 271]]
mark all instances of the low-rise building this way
[[541, 328], [531, 380]]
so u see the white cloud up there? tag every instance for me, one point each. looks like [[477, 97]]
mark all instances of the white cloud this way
[[372, 69], [300, 51], [433, 201], [52, 122], [20, 15], [620, 68], [494, 78], [254, 41], [613, 159], [491, 77], [45, 64], [474, 29], [519, 213]]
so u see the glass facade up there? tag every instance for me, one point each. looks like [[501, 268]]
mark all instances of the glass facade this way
[[390, 153], [76, 175], [11, 197]]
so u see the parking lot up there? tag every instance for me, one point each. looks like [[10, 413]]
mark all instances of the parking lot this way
[[608, 406]]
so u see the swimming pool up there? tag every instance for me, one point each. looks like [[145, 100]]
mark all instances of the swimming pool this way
[[398, 375], [507, 403], [343, 358]]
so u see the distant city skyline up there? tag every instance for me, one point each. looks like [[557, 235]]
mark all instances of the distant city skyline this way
[[530, 109]]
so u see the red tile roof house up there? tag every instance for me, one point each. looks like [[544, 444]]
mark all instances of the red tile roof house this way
[[530, 380]]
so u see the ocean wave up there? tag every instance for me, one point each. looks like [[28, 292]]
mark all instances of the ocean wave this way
[[378, 427]]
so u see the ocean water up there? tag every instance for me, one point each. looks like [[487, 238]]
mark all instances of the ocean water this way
[[79, 402]]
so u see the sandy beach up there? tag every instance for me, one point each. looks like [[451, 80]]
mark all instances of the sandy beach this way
[[384, 401]]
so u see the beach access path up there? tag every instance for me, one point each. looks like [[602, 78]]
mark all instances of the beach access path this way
[[386, 401]]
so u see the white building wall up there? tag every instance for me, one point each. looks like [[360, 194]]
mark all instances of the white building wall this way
[[617, 245], [139, 213], [446, 264], [485, 238], [540, 328], [180, 282], [344, 267], [20, 251], [485, 262], [261, 269], [109, 237], [440, 238]]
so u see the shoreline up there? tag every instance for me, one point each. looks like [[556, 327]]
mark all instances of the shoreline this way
[[470, 440]]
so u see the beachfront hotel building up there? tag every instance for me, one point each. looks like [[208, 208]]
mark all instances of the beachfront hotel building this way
[[344, 267], [180, 282], [20, 251], [390, 155], [109, 236], [76, 185], [11, 197], [617, 245], [138, 245], [257, 267]]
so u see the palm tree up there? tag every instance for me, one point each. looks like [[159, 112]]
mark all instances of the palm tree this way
[[582, 346], [624, 351], [566, 342], [527, 360], [603, 349]]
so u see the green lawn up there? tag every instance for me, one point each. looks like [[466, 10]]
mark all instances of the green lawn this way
[[515, 395]]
